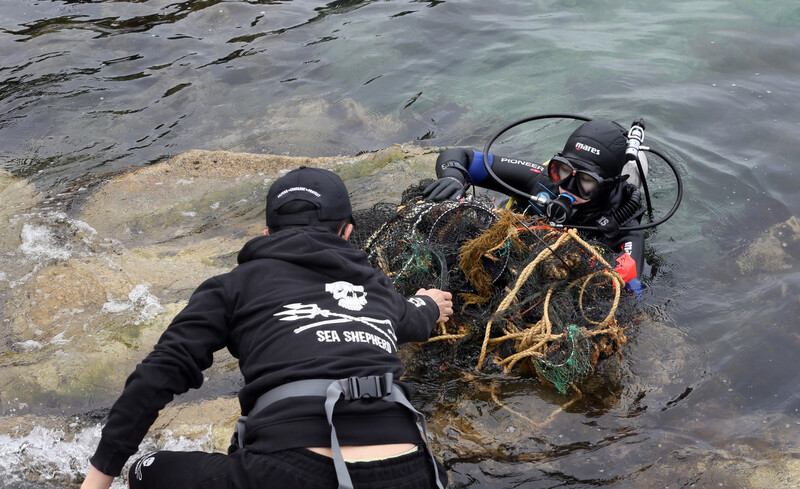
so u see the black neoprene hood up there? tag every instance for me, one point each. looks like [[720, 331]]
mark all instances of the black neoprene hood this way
[[597, 146], [323, 188]]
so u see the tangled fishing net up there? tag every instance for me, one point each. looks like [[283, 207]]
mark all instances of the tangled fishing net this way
[[529, 295]]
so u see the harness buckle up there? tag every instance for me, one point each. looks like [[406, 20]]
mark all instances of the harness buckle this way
[[238, 432], [372, 387]]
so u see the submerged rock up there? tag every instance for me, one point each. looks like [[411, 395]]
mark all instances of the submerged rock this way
[[776, 249]]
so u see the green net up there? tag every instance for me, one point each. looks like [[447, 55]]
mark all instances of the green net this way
[[576, 365]]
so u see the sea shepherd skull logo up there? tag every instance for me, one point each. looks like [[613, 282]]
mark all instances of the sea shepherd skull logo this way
[[351, 297]]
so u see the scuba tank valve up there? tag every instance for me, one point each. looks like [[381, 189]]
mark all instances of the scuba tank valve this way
[[635, 139]]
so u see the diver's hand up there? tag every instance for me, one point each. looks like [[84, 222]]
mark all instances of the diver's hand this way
[[445, 188], [635, 286], [626, 267], [443, 299], [96, 480]]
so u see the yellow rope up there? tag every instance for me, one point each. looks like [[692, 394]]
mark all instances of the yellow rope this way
[[523, 277], [543, 335], [447, 337], [534, 339], [618, 285]]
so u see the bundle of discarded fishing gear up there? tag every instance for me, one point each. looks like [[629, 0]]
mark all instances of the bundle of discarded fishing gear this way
[[529, 295]]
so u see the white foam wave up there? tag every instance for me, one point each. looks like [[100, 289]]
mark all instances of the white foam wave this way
[[80, 227], [147, 303], [29, 346], [46, 456], [38, 242], [113, 306], [139, 299]]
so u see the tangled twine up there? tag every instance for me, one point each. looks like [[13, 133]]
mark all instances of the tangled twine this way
[[533, 341]]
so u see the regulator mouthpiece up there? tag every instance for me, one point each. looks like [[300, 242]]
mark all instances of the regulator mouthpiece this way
[[558, 210], [635, 139]]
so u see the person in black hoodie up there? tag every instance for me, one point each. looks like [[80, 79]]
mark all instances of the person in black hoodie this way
[[315, 329], [589, 170]]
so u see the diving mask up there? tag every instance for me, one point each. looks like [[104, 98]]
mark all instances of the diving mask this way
[[582, 183]]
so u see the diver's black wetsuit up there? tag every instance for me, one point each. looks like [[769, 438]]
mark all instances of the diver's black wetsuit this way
[[532, 177]]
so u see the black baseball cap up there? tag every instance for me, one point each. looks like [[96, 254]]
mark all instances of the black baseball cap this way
[[323, 188], [598, 146]]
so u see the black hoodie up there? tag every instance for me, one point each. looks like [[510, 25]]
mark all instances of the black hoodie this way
[[302, 304]]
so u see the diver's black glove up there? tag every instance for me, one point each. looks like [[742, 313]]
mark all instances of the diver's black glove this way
[[450, 186], [445, 188]]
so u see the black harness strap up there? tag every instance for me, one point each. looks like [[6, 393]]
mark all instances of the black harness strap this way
[[352, 388]]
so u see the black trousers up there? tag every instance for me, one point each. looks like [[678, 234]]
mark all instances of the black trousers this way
[[287, 469]]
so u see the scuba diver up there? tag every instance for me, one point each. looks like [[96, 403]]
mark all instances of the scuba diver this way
[[587, 185]]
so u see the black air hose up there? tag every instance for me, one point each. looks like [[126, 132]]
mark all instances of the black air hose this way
[[631, 208]]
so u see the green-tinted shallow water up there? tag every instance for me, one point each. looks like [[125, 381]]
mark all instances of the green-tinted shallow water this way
[[704, 395]]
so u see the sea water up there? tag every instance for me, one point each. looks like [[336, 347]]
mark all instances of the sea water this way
[[704, 395]]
